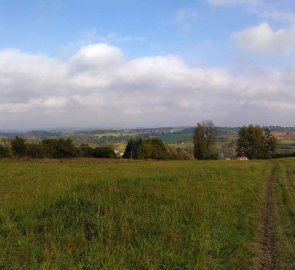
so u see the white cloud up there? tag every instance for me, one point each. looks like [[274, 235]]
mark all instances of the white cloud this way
[[265, 40], [98, 87], [97, 56]]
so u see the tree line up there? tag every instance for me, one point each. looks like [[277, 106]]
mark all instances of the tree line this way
[[254, 142], [137, 148], [53, 148]]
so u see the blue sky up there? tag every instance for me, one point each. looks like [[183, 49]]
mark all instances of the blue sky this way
[[191, 29], [213, 54]]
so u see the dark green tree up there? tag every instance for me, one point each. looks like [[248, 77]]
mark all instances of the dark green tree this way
[[85, 150], [104, 152], [59, 148], [4, 151], [35, 150], [152, 148], [18, 147], [204, 140], [131, 149]]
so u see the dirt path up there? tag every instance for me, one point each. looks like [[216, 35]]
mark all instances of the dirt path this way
[[266, 260]]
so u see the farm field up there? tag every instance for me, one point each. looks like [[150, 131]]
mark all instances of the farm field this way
[[83, 214]]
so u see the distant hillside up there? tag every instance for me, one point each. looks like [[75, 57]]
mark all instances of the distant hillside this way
[[170, 135]]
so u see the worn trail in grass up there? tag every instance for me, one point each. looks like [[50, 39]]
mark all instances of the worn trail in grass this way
[[268, 221], [278, 242], [140, 215]]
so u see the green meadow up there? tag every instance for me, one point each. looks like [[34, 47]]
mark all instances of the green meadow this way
[[83, 214]]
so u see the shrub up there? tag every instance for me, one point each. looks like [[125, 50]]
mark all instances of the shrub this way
[[104, 152]]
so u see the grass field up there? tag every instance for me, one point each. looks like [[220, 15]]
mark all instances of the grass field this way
[[144, 215], [284, 215]]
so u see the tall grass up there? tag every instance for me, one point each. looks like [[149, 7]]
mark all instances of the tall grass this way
[[131, 215], [284, 246]]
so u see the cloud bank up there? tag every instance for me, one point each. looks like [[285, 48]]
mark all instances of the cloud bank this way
[[99, 87], [263, 39]]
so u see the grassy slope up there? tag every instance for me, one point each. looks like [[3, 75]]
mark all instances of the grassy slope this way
[[131, 215]]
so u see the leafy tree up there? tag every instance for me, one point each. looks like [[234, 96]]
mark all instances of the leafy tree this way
[[228, 148], [154, 149], [145, 151], [85, 150], [204, 140], [104, 152], [59, 148], [254, 142], [270, 144], [35, 150], [250, 142], [18, 147], [4, 151], [131, 149]]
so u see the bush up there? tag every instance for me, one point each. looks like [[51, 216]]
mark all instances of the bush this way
[[35, 150], [178, 153], [85, 151], [4, 151], [18, 147], [104, 152]]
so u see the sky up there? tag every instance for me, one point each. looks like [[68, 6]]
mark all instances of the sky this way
[[146, 63]]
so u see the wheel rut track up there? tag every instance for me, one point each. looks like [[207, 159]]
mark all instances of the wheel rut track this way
[[267, 243]]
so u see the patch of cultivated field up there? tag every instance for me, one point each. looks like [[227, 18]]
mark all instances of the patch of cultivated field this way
[[139, 215]]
